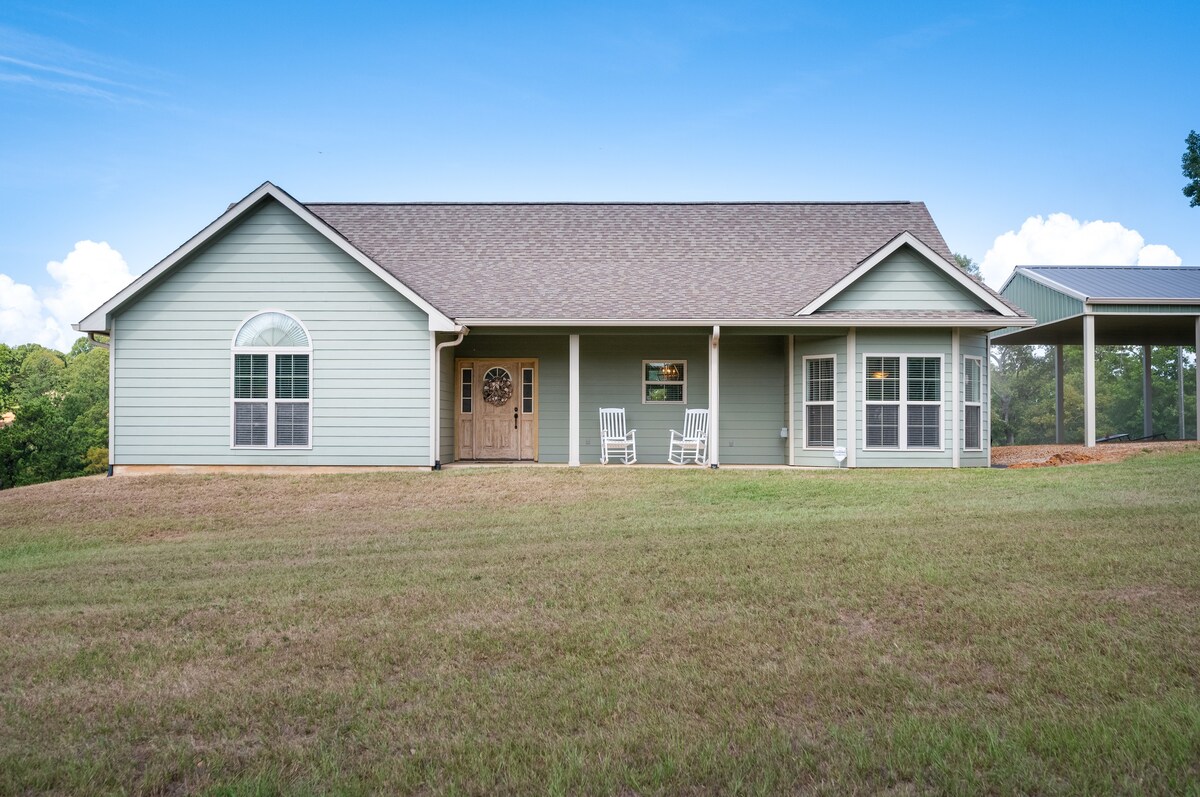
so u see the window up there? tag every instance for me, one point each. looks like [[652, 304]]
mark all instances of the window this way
[[664, 381], [819, 402], [272, 383], [466, 391], [973, 403], [527, 391], [919, 403]]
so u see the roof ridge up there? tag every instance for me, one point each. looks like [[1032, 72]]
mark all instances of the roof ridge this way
[[561, 203]]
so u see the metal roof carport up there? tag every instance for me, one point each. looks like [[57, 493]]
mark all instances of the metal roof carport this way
[[1104, 305]]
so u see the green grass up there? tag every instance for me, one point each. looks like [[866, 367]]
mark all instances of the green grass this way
[[605, 631]]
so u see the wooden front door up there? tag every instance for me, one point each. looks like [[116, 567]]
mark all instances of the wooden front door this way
[[496, 410]]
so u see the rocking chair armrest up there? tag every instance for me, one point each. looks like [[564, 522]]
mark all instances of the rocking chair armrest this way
[[632, 432], [675, 434]]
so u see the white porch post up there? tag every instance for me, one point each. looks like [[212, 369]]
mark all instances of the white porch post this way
[[1058, 393], [851, 401], [435, 373], [791, 394], [956, 431], [1089, 380], [573, 402], [1197, 377], [1147, 393], [714, 398], [1179, 384]]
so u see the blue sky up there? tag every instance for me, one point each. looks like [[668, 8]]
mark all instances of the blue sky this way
[[136, 124]]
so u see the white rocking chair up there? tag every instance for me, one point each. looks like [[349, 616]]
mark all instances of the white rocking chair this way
[[613, 437], [692, 443]]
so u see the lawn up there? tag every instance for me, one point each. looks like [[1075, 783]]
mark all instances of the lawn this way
[[606, 631]]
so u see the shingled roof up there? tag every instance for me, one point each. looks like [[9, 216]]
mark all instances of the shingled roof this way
[[624, 261]]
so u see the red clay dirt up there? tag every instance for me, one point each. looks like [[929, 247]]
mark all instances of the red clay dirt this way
[[1043, 456]]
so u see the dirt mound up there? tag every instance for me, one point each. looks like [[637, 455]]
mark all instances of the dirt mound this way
[[1045, 456]]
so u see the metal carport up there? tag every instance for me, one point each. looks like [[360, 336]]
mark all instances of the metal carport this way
[[1104, 305]]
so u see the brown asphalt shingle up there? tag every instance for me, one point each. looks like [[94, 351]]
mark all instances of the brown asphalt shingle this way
[[624, 261]]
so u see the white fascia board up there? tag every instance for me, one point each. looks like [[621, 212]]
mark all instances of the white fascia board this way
[[1048, 282], [906, 238], [97, 320], [789, 321]]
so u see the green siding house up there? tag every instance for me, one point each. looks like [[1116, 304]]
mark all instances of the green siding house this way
[[324, 335]]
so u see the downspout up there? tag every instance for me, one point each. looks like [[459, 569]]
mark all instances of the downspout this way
[[437, 400]]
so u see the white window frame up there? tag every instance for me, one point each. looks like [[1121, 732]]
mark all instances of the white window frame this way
[[647, 383], [804, 392], [271, 401], [903, 404], [968, 403]]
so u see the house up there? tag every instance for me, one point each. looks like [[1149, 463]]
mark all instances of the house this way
[[393, 335]]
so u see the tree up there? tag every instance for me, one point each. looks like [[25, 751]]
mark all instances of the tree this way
[[1191, 168], [968, 265]]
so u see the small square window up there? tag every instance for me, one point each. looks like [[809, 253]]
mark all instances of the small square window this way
[[664, 381]]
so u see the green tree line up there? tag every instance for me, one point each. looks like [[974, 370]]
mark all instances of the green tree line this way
[[1023, 392], [53, 413]]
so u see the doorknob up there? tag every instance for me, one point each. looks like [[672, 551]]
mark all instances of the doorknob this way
[[514, 419]]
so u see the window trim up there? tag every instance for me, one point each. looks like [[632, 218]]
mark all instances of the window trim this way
[[271, 400], [903, 403], [806, 403], [682, 382], [968, 403]]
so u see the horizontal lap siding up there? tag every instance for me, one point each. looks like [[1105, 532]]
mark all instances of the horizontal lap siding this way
[[611, 376], [753, 399], [923, 343], [822, 347], [370, 353], [552, 390], [904, 281], [974, 344]]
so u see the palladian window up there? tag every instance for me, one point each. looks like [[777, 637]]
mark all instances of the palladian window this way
[[272, 383]]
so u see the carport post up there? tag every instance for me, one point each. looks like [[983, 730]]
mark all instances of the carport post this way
[[1179, 384], [1147, 393], [1058, 393], [1089, 379]]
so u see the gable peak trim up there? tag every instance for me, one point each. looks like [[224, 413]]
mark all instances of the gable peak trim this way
[[906, 238], [97, 320]]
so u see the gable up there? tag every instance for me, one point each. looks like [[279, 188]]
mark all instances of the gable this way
[[300, 221], [904, 280]]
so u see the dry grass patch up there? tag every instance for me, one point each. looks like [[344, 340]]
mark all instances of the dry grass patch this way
[[604, 631]]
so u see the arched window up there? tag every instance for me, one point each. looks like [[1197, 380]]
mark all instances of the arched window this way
[[272, 383]]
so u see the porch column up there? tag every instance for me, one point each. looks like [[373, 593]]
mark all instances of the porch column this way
[[1058, 393], [573, 402], [1147, 393], [1197, 377], [956, 430], [791, 394], [714, 398], [1089, 380], [851, 401], [1179, 384]]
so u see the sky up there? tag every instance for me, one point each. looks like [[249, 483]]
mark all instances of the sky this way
[[1036, 132]]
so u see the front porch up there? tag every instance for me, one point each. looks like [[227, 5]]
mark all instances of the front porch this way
[[752, 380]]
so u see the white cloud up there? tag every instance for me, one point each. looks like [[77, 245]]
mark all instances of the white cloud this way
[[91, 273], [1060, 240]]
